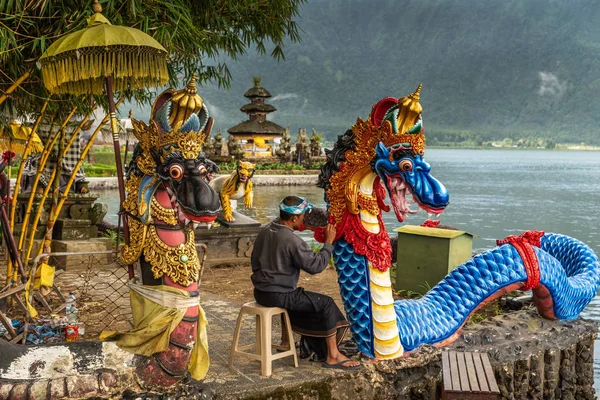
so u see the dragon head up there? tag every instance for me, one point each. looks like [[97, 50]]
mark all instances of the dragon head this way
[[407, 180], [382, 155], [399, 160], [245, 171], [170, 151]]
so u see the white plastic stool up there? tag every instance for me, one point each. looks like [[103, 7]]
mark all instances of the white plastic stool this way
[[263, 345]]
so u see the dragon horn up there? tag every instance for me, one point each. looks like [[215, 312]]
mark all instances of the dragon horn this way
[[417, 94]]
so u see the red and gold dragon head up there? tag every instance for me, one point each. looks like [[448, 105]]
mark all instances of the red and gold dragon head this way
[[382, 155]]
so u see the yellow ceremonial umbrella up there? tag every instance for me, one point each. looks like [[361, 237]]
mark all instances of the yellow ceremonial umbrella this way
[[15, 137], [105, 55]]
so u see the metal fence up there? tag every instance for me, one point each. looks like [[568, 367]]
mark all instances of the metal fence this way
[[99, 284]]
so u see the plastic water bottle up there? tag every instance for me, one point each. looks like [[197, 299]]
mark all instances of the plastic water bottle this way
[[71, 309]]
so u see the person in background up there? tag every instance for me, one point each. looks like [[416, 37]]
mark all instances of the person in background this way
[[277, 258]]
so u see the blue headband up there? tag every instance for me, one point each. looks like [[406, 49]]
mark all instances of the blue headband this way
[[296, 210]]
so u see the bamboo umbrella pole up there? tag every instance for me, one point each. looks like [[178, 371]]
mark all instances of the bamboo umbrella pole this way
[[43, 159], [13, 205], [54, 215], [15, 85], [117, 148]]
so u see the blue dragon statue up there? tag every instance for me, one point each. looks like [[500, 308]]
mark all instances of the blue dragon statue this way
[[384, 156]]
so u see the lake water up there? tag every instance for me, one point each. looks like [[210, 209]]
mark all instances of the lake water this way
[[493, 194]]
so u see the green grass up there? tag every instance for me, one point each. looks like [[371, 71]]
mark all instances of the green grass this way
[[99, 170]]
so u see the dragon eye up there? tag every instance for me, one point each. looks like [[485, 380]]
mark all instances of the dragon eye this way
[[406, 166], [176, 171]]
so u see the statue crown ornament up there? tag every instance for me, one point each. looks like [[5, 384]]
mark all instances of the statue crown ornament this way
[[178, 119], [404, 117]]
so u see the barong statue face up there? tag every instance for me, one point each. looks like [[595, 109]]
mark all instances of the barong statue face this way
[[172, 150], [245, 172]]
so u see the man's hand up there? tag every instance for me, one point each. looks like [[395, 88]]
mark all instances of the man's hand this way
[[330, 233]]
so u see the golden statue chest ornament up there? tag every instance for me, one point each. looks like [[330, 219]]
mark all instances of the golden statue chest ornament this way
[[179, 263]]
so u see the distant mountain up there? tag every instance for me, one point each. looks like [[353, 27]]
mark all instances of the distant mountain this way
[[490, 69]]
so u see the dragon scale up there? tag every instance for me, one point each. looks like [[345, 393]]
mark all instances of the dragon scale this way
[[384, 156]]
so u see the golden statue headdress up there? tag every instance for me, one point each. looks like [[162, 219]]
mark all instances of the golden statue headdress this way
[[178, 119]]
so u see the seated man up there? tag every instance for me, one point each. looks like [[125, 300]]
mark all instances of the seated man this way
[[278, 256]]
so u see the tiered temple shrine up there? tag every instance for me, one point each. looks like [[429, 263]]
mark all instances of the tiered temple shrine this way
[[257, 134]]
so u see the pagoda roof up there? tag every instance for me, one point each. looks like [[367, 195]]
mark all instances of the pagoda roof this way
[[257, 92], [253, 107], [257, 127]]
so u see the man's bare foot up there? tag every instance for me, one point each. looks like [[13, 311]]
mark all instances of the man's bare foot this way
[[340, 358]]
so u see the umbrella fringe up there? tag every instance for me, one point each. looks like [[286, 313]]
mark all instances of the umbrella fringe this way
[[131, 68]]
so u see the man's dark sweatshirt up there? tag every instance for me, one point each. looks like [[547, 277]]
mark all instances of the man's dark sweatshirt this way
[[279, 255]]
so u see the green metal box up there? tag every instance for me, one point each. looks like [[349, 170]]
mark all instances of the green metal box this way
[[426, 255]]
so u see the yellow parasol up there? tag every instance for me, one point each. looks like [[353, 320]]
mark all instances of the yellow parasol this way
[[102, 54], [15, 137]]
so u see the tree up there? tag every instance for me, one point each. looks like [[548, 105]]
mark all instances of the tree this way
[[193, 32]]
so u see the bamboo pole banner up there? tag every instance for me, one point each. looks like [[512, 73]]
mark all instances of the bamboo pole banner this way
[[43, 159], [55, 183], [15, 85], [36, 220], [63, 197], [13, 205]]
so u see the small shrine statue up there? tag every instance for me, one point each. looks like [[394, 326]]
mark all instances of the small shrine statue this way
[[234, 187]]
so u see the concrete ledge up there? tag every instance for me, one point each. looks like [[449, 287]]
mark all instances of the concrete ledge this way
[[109, 183], [533, 358]]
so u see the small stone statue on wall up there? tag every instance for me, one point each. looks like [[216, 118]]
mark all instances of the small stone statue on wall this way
[[235, 148], [315, 143], [285, 148], [302, 147]]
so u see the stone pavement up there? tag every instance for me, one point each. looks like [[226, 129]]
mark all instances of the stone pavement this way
[[244, 380]]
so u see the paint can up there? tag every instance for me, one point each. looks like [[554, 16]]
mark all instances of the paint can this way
[[71, 333]]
